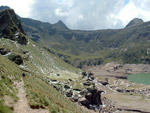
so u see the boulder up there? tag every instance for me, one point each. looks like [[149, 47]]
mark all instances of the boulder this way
[[94, 97], [83, 101], [69, 93], [104, 83], [3, 51], [84, 74], [87, 83], [75, 98], [66, 86]]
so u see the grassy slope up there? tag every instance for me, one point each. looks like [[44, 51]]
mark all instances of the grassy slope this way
[[9, 72], [39, 65]]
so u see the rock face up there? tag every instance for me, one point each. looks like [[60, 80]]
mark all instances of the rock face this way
[[92, 98], [11, 28]]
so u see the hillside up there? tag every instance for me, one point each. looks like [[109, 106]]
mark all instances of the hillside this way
[[93, 47], [80, 48], [19, 55]]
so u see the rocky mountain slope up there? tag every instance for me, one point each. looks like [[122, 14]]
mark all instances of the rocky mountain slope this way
[[93, 47], [33, 78], [81, 48], [30, 73]]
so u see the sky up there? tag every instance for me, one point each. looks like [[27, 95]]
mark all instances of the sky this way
[[83, 14]]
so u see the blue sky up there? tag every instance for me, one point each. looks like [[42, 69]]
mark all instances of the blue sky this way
[[83, 14], [126, 1]]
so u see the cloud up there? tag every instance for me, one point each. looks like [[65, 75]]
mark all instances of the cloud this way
[[77, 14], [21, 7], [135, 9], [83, 14]]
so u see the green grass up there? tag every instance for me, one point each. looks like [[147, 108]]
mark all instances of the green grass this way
[[5, 109], [143, 78], [39, 93]]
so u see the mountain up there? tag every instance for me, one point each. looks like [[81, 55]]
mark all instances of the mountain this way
[[4, 7], [79, 47], [11, 28], [33, 78], [30, 75], [134, 22]]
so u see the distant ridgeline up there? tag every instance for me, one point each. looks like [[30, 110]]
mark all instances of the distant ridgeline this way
[[127, 45]]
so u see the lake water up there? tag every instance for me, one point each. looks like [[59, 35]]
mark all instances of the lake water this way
[[143, 78]]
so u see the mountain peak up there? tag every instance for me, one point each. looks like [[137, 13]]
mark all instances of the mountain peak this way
[[10, 27], [135, 21], [60, 24], [4, 7]]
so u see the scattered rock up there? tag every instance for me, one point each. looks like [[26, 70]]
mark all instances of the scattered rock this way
[[87, 83], [69, 93], [70, 80], [66, 87], [3, 51], [84, 74], [104, 83], [18, 60], [83, 101]]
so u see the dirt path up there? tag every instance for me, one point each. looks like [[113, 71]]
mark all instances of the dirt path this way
[[22, 105]]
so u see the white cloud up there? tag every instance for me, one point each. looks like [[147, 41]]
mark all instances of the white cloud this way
[[135, 9], [21, 7], [83, 14]]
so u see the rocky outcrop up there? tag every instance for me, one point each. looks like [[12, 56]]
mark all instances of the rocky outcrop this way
[[18, 60], [4, 51], [92, 99], [11, 28]]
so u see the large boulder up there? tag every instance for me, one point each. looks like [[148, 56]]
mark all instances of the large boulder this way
[[3, 51], [18, 60], [94, 97]]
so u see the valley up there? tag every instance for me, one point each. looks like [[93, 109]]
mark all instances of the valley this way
[[49, 68]]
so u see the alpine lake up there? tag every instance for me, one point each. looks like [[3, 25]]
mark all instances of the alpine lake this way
[[142, 78]]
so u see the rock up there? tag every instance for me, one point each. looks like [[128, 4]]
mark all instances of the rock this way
[[83, 101], [69, 93], [84, 74], [75, 98], [66, 87], [83, 92], [3, 51], [70, 80], [94, 97], [87, 83], [104, 83], [77, 89], [11, 28], [17, 59], [58, 74]]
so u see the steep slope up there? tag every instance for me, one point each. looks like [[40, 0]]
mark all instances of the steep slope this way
[[10, 27], [39, 67]]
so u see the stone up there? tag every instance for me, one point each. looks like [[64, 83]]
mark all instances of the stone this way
[[84, 74], [87, 83], [18, 59], [3, 51], [104, 83], [69, 93], [66, 87], [83, 101], [94, 97]]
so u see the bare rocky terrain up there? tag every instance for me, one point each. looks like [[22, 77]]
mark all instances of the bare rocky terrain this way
[[121, 95]]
